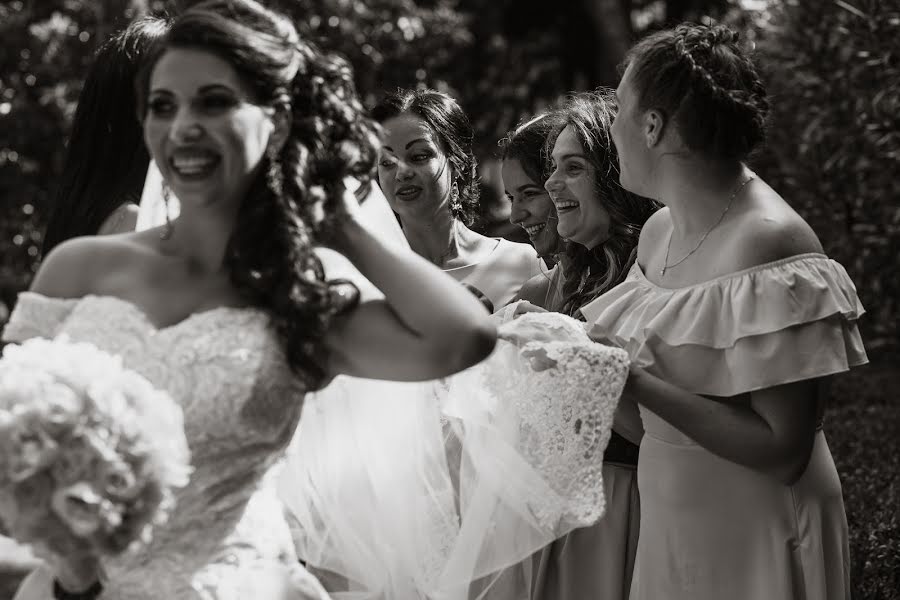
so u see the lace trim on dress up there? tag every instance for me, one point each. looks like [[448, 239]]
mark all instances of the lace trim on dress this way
[[241, 403], [423, 490]]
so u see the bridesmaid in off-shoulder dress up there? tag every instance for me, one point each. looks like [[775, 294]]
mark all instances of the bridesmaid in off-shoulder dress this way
[[732, 316]]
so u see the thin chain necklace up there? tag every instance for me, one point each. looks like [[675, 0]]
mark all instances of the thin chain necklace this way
[[666, 266]]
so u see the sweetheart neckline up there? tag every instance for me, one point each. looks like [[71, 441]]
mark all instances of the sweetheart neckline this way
[[145, 318]]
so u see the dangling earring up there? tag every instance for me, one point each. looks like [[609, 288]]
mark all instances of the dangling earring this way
[[455, 203], [169, 229], [274, 174]]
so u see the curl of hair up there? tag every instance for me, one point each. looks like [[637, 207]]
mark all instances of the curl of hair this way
[[701, 77], [591, 272], [106, 159], [451, 126], [270, 254], [527, 143]]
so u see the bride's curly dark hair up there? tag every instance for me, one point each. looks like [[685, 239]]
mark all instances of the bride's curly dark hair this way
[[296, 198]]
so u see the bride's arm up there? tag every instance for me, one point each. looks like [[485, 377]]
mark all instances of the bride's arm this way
[[427, 326], [772, 433]]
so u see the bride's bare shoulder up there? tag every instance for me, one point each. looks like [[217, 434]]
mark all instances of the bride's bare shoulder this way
[[75, 267]]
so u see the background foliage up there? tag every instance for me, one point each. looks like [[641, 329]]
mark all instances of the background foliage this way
[[504, 59], [834, 137], [834, 152], [832, 68]]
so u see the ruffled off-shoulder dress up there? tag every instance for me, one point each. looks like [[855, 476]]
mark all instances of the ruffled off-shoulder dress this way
[[711, 528]]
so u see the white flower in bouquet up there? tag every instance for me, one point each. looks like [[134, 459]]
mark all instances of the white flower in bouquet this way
[[90, 452]]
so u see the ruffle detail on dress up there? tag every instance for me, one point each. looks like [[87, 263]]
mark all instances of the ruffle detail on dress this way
[[775, 323], [36, 316]]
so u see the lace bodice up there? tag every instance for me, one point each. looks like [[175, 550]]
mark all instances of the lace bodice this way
[[241, 405]]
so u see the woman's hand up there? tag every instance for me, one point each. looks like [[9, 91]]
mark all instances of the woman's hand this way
[[346, 217], [524, 306], [538, 359], [771, 430]]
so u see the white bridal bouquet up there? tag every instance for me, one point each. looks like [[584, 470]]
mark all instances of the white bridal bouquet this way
[[90, 452]]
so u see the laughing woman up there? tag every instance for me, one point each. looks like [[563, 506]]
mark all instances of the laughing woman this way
[[524, 169], [602, 222]]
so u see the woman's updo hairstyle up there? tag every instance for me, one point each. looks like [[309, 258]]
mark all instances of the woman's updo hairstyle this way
[[452, 130], [700, 77], [297, 196]]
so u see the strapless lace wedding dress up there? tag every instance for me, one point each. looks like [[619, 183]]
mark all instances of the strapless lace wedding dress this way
[[227, 538]]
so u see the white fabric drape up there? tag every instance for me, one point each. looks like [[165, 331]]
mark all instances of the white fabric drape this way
[[434, 490]]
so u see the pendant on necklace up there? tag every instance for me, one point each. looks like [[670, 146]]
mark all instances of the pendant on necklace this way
[[662, 272]]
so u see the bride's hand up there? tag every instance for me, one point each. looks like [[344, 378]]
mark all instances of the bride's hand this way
[[524, 306], [344, 216], [521, 331], [537, 357], [350, 201]]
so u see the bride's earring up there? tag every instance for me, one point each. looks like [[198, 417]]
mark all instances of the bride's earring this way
[[455, 202], [169, 229]]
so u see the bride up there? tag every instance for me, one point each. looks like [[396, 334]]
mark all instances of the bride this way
[[229, 309]]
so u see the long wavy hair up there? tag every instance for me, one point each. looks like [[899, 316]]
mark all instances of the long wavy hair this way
[[106, 159], [589, 273], [453, 130], [296, 198]]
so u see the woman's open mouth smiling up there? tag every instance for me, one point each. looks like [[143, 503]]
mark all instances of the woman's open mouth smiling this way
[[533, 230], [194, 164], [408, 192], [564, 206]]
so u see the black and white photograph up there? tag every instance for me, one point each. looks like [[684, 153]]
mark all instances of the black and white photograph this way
[[449, 300]]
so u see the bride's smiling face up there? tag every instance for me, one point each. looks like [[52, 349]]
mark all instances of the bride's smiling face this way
[[205, 132]]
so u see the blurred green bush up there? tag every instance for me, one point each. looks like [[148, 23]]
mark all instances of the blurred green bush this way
[[832, 69], [833, 74]]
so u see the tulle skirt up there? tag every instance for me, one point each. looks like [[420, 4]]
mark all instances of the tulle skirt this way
[[440, 490]]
